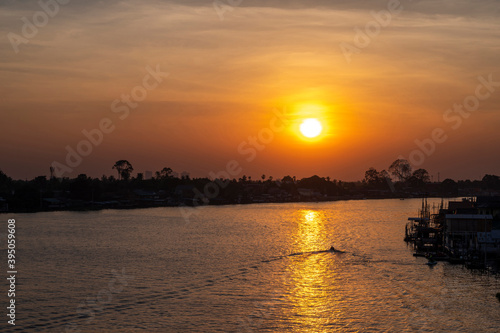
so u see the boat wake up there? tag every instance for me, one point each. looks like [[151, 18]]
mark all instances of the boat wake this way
[[304, 254]]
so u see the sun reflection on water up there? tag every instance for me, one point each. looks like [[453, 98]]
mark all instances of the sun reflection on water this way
[[311, 281], [310, 233]]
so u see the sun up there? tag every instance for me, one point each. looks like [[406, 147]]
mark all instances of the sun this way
[[311, 128]]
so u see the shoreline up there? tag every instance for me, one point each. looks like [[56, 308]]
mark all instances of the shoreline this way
[[96, 206]]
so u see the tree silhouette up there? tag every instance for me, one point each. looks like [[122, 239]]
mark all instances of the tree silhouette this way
[[385, 176], [124, 169], [449, 186], [491, 181], [165, 173], [401, 169], [422, 175], [315, 183], [5, 182], [372, 176], [3, 177], [419, 178]]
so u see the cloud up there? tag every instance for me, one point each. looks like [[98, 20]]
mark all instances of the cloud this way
[[102, 52], [264, 54], [108, 44]]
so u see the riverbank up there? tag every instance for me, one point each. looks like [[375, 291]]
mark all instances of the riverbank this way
[[80, 206]]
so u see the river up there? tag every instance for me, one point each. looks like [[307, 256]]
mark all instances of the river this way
[[248, 268]]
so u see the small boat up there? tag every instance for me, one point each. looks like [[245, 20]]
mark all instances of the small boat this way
[[332, 249], [431, 263]]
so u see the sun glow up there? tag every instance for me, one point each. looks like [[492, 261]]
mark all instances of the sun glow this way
[[311, 122], [311, 128]]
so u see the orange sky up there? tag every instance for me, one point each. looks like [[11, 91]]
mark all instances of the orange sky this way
[[227, 76]]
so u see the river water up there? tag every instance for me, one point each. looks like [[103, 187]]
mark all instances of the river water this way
[[249, 268]]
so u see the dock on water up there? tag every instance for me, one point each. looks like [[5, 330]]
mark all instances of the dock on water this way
[[465, 232]]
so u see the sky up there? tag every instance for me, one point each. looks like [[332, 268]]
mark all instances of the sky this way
[[198, 86]]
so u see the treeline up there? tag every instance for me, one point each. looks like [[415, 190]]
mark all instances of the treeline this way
[[402, 178], [166, 188]]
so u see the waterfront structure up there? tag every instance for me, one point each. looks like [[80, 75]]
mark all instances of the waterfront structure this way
[[466, 231]]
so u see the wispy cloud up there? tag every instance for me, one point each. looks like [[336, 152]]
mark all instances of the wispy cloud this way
[[265, 53]]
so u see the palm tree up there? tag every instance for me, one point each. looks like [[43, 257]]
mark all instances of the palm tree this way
[[124, 169]]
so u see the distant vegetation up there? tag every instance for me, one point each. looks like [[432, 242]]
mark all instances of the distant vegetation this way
[[167, 189]]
